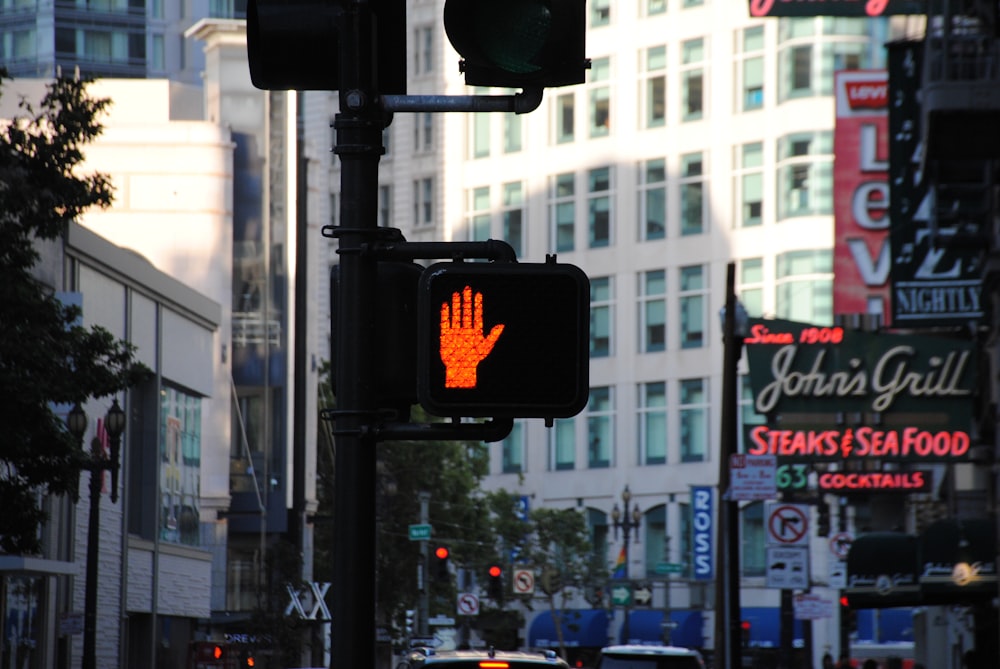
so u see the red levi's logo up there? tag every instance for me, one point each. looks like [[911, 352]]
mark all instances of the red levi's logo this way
[[867, 94]]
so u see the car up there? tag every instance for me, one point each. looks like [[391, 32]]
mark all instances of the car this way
[[636, 656], [426, 658]]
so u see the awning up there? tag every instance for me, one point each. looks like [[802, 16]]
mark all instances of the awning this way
[[882, 570], [683, 628], [580, 628], [765, 626], [958, 560]]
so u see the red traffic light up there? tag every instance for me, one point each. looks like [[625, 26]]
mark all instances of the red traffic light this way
[[441, 553], [494, 571], [844, 601], [745, 625]]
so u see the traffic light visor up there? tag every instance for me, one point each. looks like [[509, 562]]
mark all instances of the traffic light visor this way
[[503, 339]]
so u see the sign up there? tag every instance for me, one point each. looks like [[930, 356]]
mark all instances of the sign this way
[[468, 604], [642, 595], [703, 530], [807, 606], [752, 477], [861, 443], [441, 621], [524, 582], [802, 368], [503, 339], [787, 524], [838, 574], [314, 600], [621, 594], [860, 8], [840, 544], [844, 483], [669, 568], [787, 567], [70, 622], [420, 532], [933, 282], [861, 254]]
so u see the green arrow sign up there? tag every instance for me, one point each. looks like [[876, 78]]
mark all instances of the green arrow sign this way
[[621, 594], [420, 532]]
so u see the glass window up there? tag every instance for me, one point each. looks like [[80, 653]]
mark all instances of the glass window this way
[[653, 423], [805, 174], [180, 467], [692, 188], [652, 311], [811, 50], [653, 199], [655, 7], [600, 97], [513, 450], [693, 419], [480, 145], [384, 206], [513, 133], [423, 50], [601, 320], [693, 305], [513, 216], [750, 68], [686, 535], [653, 83], [563, 212], [600, 13], [753, 543], [565, 112], [804, 286], [750, 184], [479, 214], [657, 540], [562, 438], [693, 79], [600, 428], [599, 207], [752, 286], [423, 203]]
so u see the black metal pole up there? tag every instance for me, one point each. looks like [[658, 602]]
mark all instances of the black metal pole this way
[[358, 129], [93, 534], [625, 532]]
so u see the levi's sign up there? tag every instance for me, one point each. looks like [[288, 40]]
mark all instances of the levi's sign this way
[[800, 368]]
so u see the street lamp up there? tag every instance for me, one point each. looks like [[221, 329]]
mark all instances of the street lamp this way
[[728, 629], [626, 524], [114, 424]]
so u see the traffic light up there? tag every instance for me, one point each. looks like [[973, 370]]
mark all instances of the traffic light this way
[[503, 339], [823, 519], [495, 586], [439, 564], [294, 44], [848, 616], [411, 616], [745, 629], [519, 43]]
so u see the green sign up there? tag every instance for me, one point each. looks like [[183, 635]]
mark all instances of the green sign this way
[[669, 568], [420, 532], [621, 594]]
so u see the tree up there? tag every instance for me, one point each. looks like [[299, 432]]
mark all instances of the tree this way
[[46, 356]]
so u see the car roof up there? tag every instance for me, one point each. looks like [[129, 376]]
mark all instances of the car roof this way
[[427, 656], [642, 649]]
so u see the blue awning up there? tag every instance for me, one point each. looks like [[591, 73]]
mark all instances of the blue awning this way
[[580, 628], [765, 626], [685, 628]]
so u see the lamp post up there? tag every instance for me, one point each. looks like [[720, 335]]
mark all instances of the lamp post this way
[[728, 628], [625, 523], [114, 424]]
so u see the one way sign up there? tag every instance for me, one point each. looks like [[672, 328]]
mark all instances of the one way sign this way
[[642, 595]]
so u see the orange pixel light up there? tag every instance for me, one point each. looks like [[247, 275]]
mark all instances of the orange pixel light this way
[[463, 345]]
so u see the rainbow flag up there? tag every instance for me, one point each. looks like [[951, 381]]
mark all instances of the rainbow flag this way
[[619, 570]]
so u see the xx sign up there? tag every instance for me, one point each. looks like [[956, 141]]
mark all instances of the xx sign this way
[[468, 604], [524, 581], [787, 524]]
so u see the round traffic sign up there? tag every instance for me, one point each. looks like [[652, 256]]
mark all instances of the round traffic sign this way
[[788, 524]]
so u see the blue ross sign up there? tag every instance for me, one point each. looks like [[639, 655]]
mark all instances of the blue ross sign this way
[[702, 531]]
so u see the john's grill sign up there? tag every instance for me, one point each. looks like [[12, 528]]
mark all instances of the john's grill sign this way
[[799, 368]]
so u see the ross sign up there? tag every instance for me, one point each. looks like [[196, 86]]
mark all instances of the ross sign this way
[[860, 8], [807, 606], [524, 582], [933, 282], [421, 532], [468, 604], [787, 567], [702, 527], [787, 524], [802, 368], [844, 483], [752, 477], [861, 443], [503, 339], [861, 254]]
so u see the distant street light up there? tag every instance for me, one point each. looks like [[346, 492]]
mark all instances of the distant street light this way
[[626, 525], [114, 424]]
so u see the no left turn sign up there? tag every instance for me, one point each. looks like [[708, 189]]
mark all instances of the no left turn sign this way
[[468, 604]]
